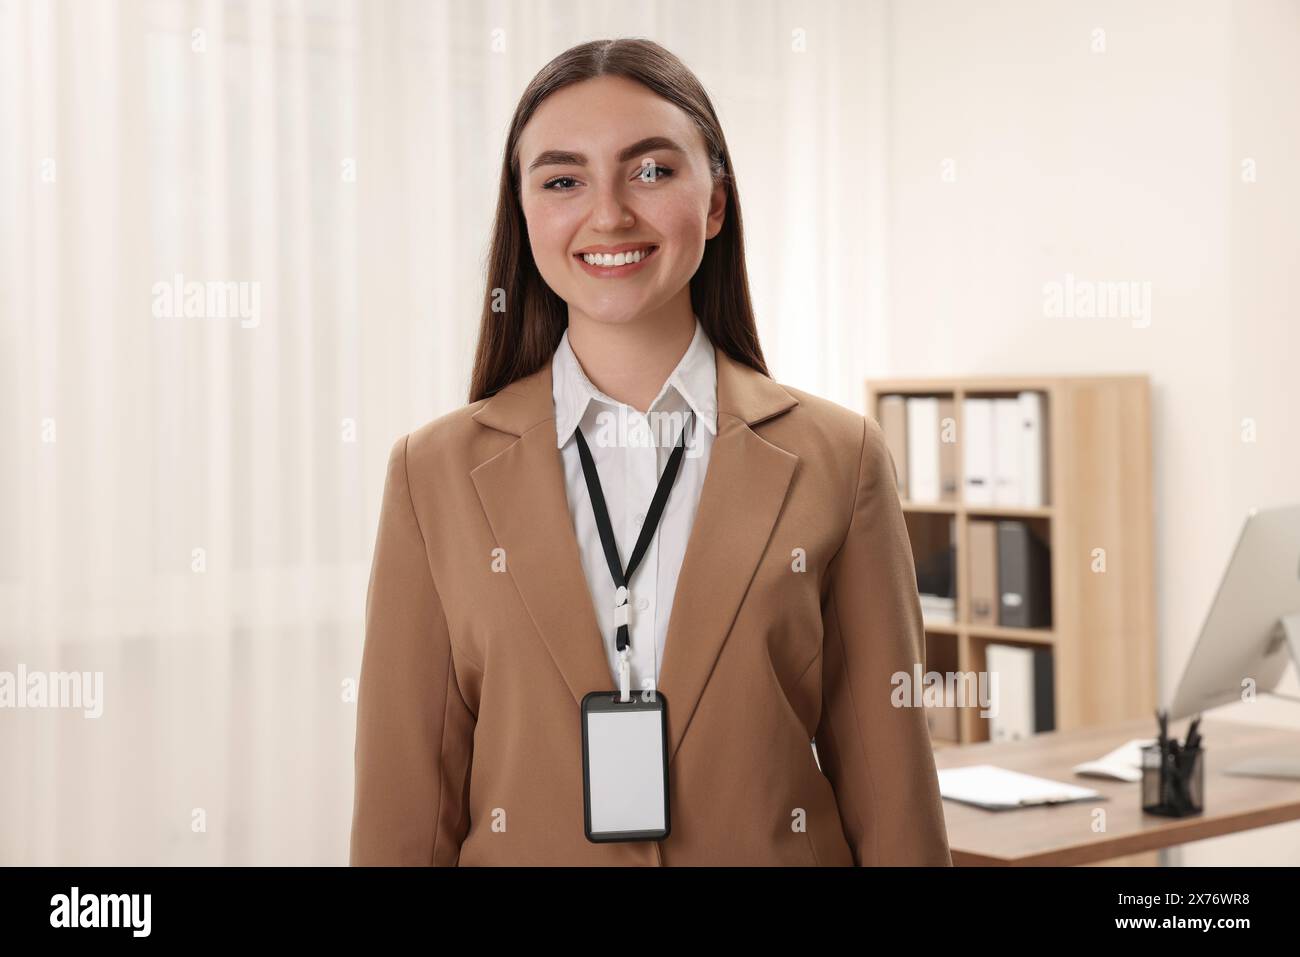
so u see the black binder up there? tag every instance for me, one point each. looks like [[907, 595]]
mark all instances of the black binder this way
[[1024, 577]]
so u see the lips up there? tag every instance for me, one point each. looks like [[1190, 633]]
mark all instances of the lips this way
[[609, 266]]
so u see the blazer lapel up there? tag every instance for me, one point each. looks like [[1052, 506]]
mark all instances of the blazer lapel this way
[[523, 496], [742, 496], [522, 492]]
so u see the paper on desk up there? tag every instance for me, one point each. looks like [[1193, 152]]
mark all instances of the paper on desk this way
[[1122, 764], [997, 788]]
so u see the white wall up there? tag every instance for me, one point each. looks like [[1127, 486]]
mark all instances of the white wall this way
[[1122, 164]]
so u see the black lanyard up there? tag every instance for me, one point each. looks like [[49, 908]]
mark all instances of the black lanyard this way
[[648, 527]]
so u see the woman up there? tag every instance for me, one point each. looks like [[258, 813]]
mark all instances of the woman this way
[[771, 601]]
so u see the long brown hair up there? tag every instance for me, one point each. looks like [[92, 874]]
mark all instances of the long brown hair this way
[[523, 319]]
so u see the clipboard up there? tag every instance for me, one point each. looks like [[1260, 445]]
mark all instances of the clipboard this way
[[999, 789]]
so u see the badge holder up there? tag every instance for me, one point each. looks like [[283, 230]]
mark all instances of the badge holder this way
[[625, 766]]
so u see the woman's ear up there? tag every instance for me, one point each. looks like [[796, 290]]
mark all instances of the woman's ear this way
[[717, 210]]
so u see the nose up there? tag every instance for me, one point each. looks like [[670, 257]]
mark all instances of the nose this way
[[609, 210]]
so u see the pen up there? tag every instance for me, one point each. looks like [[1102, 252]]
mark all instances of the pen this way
[[1166, 754]]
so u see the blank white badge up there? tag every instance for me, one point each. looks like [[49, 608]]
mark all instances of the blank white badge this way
[[625, 768]]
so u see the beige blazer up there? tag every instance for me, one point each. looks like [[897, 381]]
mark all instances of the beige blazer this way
[[796, 605]]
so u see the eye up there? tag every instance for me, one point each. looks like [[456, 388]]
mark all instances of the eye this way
[[653, 171], [553, 183]]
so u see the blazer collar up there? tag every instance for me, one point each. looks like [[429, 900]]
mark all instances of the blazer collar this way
[[523, 496]]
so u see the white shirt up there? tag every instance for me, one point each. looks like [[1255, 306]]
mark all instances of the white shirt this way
[[630, 451]]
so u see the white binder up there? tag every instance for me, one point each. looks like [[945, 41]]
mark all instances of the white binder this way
[[1033, 436], [1007, 451], [977, 451], [923, 448]]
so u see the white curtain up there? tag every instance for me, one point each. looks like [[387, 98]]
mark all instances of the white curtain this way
[[190, 484]]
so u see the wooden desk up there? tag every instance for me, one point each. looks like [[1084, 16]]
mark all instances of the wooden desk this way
[[1062, 834]]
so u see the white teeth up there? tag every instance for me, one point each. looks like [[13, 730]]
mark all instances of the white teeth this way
[[615, 259]]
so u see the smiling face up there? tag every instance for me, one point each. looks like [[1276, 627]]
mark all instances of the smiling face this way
[[608, 167]]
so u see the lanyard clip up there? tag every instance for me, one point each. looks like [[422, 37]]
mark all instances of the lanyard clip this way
[[624, 676], [620, 606]]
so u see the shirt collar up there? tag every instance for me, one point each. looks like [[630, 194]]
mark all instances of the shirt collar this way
[[694, 381]]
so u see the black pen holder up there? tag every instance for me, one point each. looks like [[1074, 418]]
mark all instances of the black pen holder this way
[[1173, 782]]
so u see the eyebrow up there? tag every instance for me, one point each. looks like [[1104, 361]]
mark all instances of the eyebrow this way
[[569, 158]]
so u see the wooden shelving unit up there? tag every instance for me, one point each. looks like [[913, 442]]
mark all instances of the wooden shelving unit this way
[[1103, 635]]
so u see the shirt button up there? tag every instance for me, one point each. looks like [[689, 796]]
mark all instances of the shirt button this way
[[642, 604], [640, 517]]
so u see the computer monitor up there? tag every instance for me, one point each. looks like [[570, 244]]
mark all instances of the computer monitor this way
[[1252, 629]]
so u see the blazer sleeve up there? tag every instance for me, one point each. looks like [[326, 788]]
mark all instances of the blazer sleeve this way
[[878, 757], [414, 731]]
